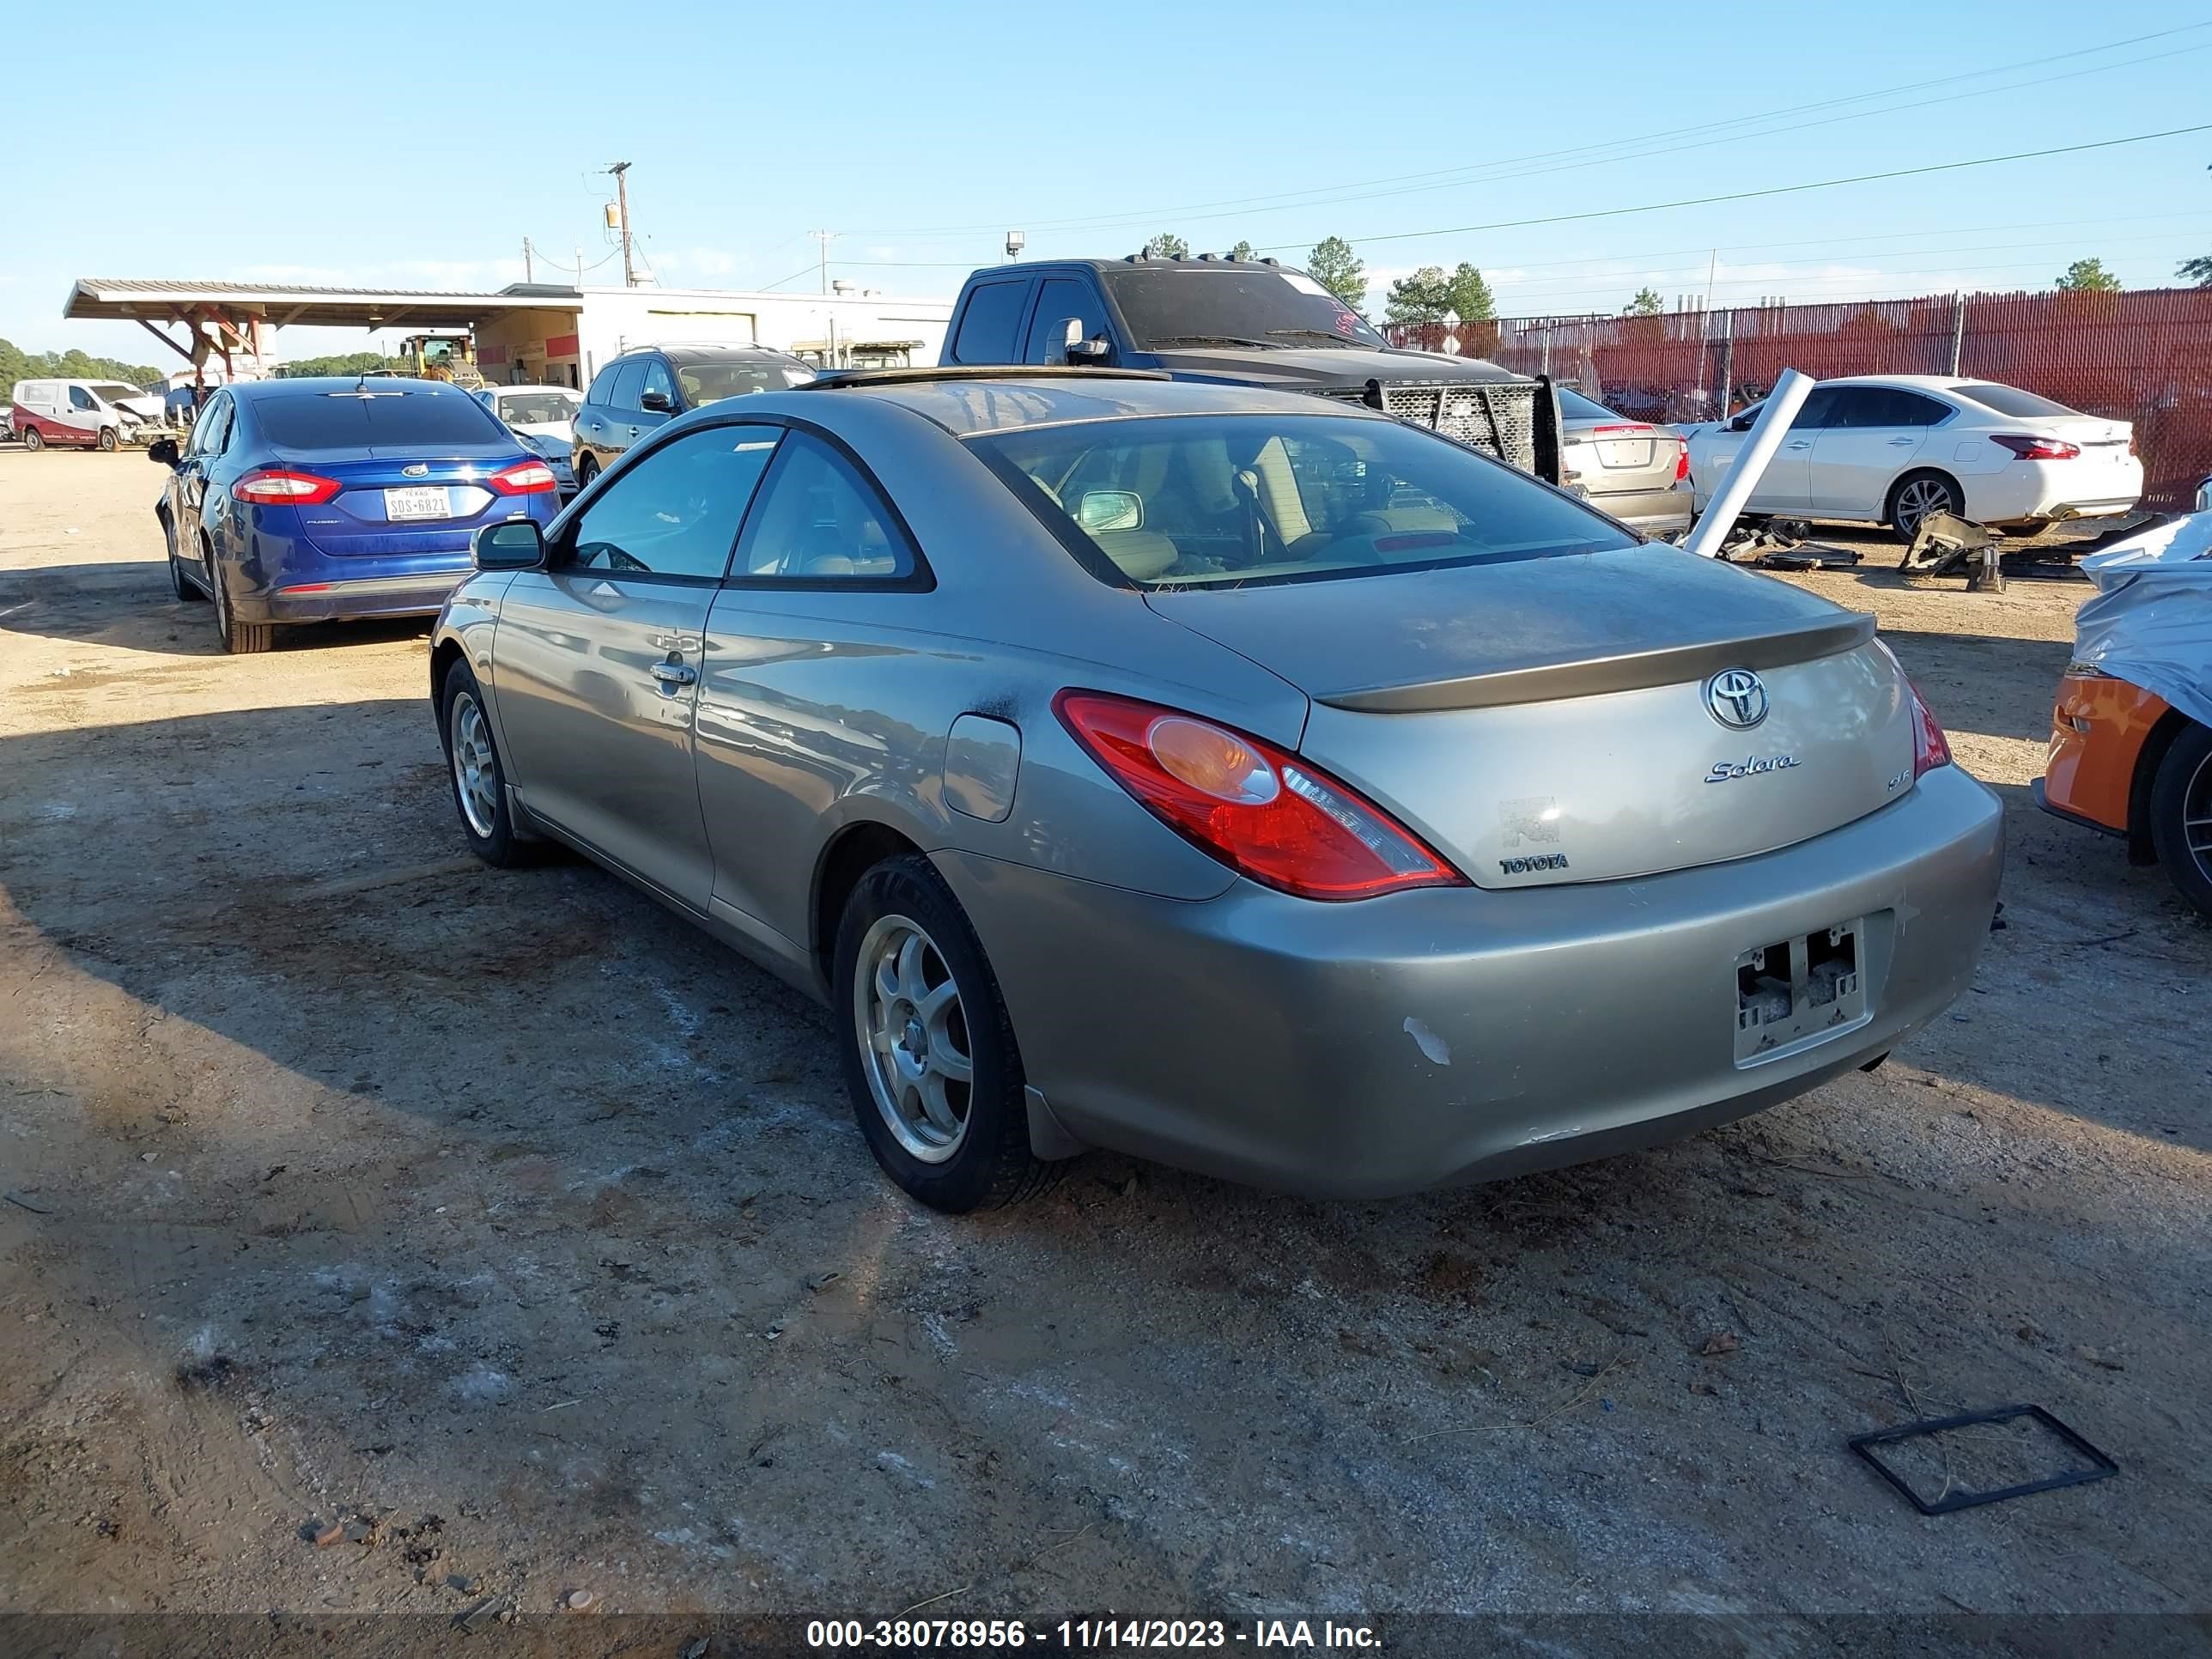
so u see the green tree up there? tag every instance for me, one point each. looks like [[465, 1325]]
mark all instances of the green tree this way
[[1338, 268], [2088, 276], [2199, 271], [1243, 250], [17, 364], [351, 362], [1647, 303], [1168, 245], [1422, 297], [1469, 295]]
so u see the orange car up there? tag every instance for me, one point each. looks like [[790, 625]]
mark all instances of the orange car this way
[[2124, 761]]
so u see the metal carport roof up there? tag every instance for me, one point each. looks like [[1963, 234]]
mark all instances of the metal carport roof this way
[[278, 304]]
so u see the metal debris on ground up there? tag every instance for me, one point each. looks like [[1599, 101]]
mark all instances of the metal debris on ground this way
[[1784, 545], [1963, 1498], [1946, 545]]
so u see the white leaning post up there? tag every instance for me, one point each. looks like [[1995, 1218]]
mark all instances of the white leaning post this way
[[1760, 444]]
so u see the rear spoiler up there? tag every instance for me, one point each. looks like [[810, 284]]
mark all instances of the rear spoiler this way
[[1592, 677]]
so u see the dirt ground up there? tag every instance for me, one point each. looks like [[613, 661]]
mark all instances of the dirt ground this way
[[505, 1216]]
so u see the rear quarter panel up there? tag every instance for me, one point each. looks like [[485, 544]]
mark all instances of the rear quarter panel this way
[[2098, 729]]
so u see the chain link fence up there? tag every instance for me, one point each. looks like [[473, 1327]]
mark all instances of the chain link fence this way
[[2144, 357]]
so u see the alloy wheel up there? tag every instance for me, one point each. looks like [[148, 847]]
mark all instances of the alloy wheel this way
[[476, 768], [916, 1051], [1918, 500], [2197, 816]]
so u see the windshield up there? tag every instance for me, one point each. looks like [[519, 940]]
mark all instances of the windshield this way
[[2011, 400], [538, 408], [1223, 501], [709, 383], [114, 391], [1235, 305]]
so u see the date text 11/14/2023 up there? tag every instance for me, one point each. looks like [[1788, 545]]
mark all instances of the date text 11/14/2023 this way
[[1086, 1635]]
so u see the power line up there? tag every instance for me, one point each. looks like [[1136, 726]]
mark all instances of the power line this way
[[1772, 190], [1599, 153]]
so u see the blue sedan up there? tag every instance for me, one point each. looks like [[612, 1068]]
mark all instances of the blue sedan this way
[[313, 500]]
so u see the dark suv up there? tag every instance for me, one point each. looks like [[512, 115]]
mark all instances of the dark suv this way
[[1248, 322], [641, 389]]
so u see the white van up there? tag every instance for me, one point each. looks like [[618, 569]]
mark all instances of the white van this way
[[85, 414]]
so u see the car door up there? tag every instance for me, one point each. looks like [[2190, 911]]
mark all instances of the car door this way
[[1783, 487], [594, 434], [1872, 435], [817, 616], [1062, 300], [989, 329], [188, 484], [659, 401], [598, 656]]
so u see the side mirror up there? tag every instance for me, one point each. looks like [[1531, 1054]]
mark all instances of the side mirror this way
[[1110, 509], [1077, 349], [164, 451], [511, 544], [656, 402]]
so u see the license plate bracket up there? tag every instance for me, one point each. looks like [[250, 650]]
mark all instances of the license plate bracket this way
[[1793, 993], [413, 502]]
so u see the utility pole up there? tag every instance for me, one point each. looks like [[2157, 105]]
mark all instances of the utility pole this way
[[526, 260], [621, 207], [824, 238]]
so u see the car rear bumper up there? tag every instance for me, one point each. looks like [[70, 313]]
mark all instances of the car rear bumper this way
[[1449, 1034], [1655, 512]]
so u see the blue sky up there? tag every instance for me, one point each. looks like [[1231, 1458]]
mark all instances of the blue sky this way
[[411, 146]]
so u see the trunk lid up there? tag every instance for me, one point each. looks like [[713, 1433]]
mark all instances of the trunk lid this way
[[405, 498], [1553, 720]]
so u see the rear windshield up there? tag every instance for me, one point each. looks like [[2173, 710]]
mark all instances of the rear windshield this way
[[1183, 305], [536, 408], [2010, 400], [354, 420], [709, 383], [1574, 406], [1223, 500]]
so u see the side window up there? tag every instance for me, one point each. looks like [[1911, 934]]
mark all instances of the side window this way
[[658, 378], [629, 380], [1864, 406], [603, 385], [80, 399], [211, 432], [677, 512], [994, 312], [1817, 410], [1913, 409], [1060, 298], [819, 520]]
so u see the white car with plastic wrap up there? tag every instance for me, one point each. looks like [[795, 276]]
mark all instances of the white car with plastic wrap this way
[[1891, 449]]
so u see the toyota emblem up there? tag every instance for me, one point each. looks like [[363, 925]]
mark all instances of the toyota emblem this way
[[1736, 697]]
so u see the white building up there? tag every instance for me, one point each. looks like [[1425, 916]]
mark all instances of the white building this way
[[529, 332]]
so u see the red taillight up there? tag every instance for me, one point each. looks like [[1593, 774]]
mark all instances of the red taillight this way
[[1264, 813], [2036, 449], [1681, 460], [1930, 748], [523, 478], [276, 486]]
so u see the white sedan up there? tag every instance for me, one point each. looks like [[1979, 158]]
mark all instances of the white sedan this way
[[1891, 449], [543, 417]]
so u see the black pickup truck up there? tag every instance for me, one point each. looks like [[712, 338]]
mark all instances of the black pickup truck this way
[[1248, 322]]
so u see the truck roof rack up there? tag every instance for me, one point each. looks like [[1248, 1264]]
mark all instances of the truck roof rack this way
[[845, 377]]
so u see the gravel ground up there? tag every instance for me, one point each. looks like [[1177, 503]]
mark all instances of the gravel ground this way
[[506, 1216]]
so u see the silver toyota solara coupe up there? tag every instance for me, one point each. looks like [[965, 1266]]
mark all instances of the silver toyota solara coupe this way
[[1259, 784]]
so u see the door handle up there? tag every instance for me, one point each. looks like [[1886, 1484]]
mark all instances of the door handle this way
[[673, 674], [1899, 443], [1798, 443]]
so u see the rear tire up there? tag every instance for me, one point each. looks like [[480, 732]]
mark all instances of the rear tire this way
[[1917, 494], [587, 470], [34, 439], [239, 639], [910, 1024], [477, 775], [2181, 816]]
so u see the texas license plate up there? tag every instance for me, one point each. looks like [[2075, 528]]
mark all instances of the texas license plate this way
[[417, 501]]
